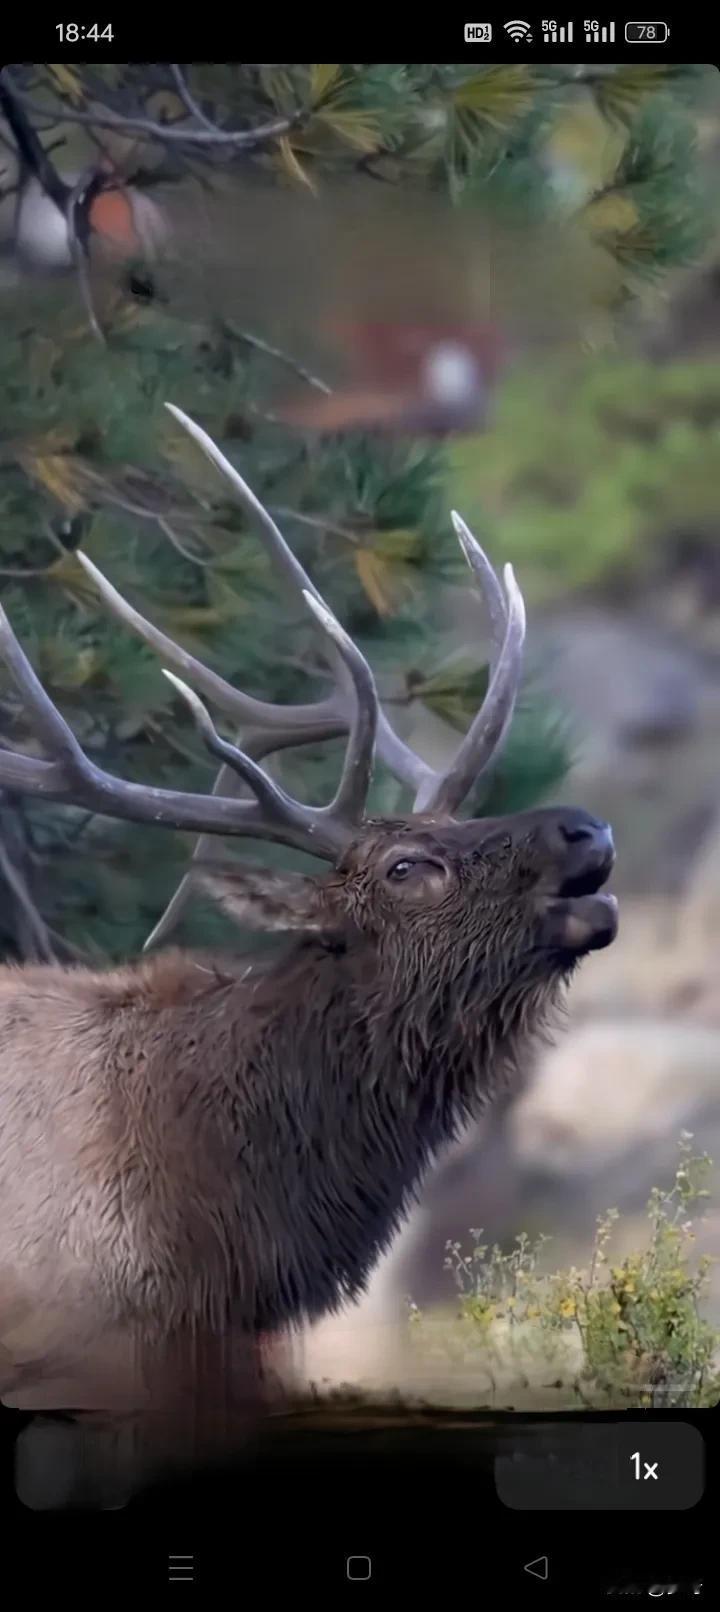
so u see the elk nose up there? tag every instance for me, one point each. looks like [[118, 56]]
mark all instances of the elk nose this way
[[580, 828], [581, 847]]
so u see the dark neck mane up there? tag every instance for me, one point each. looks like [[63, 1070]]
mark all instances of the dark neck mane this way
[[367, 1087]]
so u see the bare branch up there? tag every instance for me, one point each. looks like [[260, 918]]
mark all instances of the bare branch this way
[[188, 99], [172, 537], [169, 133], [20, 572], [42, 944], [79, 254], [266, 347], [320, 523], [28, 143]]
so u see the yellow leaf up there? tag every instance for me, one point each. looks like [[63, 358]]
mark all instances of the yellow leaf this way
[[498, 95], [58, 474], [581, 143], [187, 460], [375, 577], [225, 597], [199, 616], [123, 315], [612, 214], [80, 669], [323, 76], [68, 572], [58, 439], [294, 170], [67, 82], [397, 543], [166, 107], [353, 125], [619, 93]]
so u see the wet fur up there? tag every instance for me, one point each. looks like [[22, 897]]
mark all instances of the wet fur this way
[[197, 1143]]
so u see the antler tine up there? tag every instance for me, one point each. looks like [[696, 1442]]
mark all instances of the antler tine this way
[[274, 727], [345, 810], [324, 718], [486, 579], [349, 801], [398, 757], [487, 731], [273, 800], [70, 777], [228, 783], [51, 727], [352, 791]]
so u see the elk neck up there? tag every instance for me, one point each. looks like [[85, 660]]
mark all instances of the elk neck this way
[[307, 1097]]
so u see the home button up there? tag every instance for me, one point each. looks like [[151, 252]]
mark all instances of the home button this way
[[358, 1567]]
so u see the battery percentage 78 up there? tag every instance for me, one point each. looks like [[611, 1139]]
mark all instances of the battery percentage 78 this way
[[646, 33]]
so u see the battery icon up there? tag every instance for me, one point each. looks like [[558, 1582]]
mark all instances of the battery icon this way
[[646, 33]]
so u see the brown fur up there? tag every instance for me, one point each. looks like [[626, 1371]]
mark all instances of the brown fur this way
[[190, 1143]]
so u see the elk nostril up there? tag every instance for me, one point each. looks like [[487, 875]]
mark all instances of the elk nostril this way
[[574, 835], [587, 831], [586, 866]]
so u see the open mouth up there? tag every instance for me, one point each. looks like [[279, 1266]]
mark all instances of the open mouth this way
[[582, 917], [588, 881]]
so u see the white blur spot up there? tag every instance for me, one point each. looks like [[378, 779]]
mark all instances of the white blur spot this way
[[451, 374], [42, 232]]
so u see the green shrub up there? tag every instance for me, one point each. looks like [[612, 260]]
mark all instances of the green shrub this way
[[610, 1336]]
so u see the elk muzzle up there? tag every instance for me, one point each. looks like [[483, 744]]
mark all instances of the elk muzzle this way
[[576, 915]]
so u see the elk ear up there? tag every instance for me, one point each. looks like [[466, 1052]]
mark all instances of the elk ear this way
[[258, 898]]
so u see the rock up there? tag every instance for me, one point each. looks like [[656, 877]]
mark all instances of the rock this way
[[613, 1091]]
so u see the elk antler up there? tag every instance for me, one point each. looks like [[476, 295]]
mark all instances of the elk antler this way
[[351, 709], [485, 736], [72, 778], [435, 790]]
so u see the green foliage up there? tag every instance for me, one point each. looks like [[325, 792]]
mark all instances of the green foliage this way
[[93, 444], [592, 466], [613, 1336], [88, 454]]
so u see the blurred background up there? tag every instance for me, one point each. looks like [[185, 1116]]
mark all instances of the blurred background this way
[[389, 291]]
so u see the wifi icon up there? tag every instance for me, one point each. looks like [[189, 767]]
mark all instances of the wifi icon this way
[[517, 31]]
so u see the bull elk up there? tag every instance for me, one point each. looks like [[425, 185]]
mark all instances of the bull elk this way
[[231, 1143]]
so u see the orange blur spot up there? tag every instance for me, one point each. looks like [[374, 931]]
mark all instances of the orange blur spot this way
[[112, 218]]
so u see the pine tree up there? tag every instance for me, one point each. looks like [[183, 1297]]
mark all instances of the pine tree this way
[[88, 454]]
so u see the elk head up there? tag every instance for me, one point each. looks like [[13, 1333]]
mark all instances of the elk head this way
[[494, 888]]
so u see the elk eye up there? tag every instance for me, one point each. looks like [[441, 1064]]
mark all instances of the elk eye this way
[[400, 870]]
